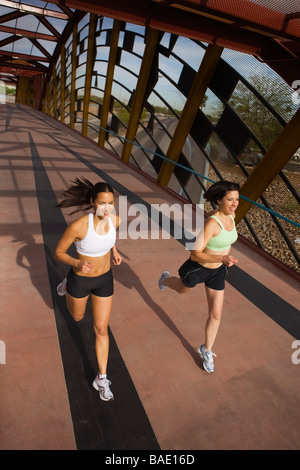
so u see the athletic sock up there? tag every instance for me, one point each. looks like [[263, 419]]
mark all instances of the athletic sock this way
[[101, 376]]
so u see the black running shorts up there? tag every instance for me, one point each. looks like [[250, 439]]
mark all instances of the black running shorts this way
[[81, 286], [192, 273]]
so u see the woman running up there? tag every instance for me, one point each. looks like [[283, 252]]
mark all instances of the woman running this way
[[94, 235], [209, 261]]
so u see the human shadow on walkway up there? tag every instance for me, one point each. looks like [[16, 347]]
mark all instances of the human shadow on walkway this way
[[29, 257], [125, 275], [9, 112]]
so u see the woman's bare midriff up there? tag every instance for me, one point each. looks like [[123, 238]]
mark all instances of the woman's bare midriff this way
[[101, 265], [211, 265]]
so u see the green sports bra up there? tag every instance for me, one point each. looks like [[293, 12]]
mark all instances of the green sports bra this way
[[224, 239]]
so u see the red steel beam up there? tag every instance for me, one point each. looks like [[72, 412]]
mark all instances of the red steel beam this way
[[19, 69], [22, 56], [11, 16], [174, 21], [23, 7], [26, 33], [247, 12], [151, 13]]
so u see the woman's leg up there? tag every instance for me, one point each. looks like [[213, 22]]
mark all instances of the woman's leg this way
[[101, 313], [76, 306], [215, 299], [176, 284]]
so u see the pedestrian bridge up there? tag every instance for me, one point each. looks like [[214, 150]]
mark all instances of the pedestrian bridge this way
[[164, 400]]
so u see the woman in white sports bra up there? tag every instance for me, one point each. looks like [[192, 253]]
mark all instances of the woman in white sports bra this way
[[94, 235], [209, 262]]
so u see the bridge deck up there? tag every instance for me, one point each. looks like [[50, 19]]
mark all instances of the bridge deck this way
[[163, 397]]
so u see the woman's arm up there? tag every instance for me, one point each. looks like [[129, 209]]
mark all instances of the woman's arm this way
[[201, 257], [211, 228], [117, 258], [73, 232]]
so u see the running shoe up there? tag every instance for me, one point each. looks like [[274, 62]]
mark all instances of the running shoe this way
[[102, 386], [61, 288], [207, 357], [163, 276]]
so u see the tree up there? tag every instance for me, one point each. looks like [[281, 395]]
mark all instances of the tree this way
[[253, 112]]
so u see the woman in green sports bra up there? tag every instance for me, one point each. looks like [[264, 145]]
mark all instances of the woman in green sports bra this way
[[209, 261]]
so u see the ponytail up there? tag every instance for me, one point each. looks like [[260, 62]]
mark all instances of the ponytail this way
[[80, 193]]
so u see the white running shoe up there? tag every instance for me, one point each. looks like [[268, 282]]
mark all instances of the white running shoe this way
[[61, 288], [163, 276], [102, 386], [207, 357]]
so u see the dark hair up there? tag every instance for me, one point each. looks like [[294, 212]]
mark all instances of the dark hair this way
[[218, 190], [81, 192]]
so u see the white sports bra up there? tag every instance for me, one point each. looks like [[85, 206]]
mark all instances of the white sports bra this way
[[94, 244]]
